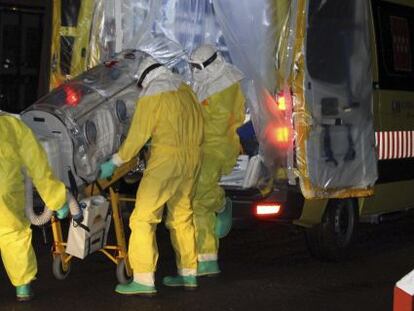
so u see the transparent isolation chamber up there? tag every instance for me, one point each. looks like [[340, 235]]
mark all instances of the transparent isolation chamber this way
[[89, 116]]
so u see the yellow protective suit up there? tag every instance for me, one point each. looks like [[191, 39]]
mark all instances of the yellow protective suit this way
[[19, 150], [173, 121], [223, 113]]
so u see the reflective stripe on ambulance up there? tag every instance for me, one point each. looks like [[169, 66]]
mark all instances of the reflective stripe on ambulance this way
[[394, 144]]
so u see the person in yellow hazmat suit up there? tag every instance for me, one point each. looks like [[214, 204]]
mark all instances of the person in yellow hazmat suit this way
[[20, 150], [168, 113], [217, 84]]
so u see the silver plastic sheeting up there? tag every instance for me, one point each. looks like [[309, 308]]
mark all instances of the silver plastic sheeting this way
[[188, 23], [103, 33], [244, 31], [318, 51], [341, 148], [250, 32], [325, 62]]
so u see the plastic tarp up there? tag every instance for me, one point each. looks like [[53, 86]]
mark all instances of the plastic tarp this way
[[314, 54], [136, 24], [70, 44], [250, 30], [225, 24], [325, 57]]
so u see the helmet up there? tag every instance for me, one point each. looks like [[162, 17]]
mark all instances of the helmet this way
[[203, 56], [145, 72]]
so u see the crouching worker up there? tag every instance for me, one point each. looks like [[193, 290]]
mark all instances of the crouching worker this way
[[167, 113], [218, 89], [20, 150]]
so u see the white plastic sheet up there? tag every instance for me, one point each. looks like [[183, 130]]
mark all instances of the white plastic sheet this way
[[325, 60], [244, 31]]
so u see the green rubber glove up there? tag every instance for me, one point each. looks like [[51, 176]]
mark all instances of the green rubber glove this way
[[63, 212], [107, 169]]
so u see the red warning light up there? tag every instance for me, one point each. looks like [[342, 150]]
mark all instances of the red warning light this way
[[73, 96], [279, 135], [281, 101], [279, 104], [282, 135]]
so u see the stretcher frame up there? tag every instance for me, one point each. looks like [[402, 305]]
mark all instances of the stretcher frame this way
[[116, 253]]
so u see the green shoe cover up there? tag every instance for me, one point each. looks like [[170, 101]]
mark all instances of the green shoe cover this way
[[24, 292], [208, 268], [135, 288], [224, 220], [187, 282]]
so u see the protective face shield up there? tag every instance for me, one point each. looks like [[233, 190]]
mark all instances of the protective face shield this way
[[147, 71]]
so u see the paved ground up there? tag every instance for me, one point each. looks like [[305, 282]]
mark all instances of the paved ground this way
[[264, 268]]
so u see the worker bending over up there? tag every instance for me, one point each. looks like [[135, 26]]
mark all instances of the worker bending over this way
[[167, 113]]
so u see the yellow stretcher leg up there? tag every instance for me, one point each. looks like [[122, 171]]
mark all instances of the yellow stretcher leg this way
[[61, 260], [119, 230]]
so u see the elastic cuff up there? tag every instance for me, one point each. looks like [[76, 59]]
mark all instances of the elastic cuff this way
[[116, 159], [187, 272], [146, 278], [207, 257]]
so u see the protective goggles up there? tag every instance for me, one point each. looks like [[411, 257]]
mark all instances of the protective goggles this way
[[203, 65]]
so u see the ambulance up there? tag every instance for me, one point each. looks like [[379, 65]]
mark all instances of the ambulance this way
[[346, 83]]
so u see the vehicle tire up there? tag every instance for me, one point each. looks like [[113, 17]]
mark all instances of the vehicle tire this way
[[121, 273], [57, 268], [332, 239]]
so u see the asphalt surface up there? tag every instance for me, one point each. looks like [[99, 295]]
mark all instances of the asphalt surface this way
[[264, 268]]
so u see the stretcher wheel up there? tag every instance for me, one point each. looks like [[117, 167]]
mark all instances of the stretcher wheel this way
[[58, 270], [121, 273]]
